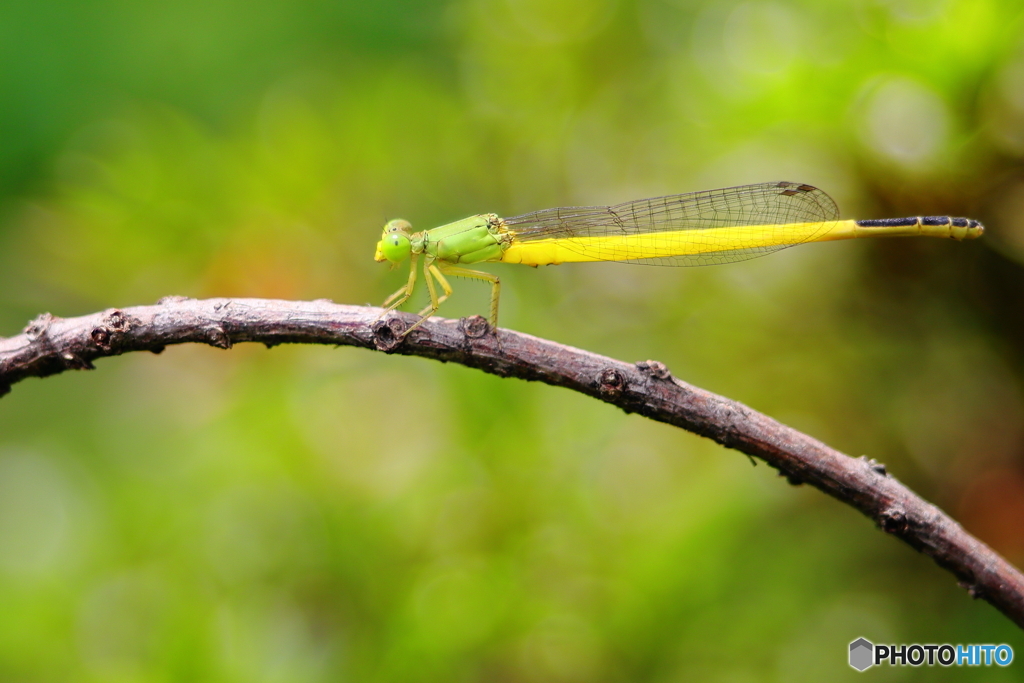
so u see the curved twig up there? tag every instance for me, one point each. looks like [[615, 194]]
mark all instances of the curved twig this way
[[50, 345]]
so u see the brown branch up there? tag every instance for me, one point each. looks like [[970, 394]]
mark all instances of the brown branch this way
[[51, 345]]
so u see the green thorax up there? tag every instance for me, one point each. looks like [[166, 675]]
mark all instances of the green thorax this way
[[472, 240]]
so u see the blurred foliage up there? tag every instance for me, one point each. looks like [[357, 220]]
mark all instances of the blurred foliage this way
[[309, 514]]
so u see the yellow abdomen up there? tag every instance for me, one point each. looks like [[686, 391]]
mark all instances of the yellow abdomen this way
[[676, 243]]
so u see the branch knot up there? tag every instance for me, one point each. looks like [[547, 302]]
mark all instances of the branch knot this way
[[40, 327], [388, 333], [611, 382], [217, 336], [107, 335], [893, 519], [475, 326], [654, 369]]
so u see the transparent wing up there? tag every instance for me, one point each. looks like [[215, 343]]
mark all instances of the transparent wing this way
[[774, 215]]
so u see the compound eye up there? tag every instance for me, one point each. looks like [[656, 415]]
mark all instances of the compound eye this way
[[395, 247], [397, 225]]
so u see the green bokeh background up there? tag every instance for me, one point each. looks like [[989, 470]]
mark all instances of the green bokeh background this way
[[319, 514]]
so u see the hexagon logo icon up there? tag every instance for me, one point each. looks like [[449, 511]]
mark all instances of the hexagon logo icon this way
[[861, 654]]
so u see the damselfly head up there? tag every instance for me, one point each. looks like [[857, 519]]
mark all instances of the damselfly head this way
[[394, 245]]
